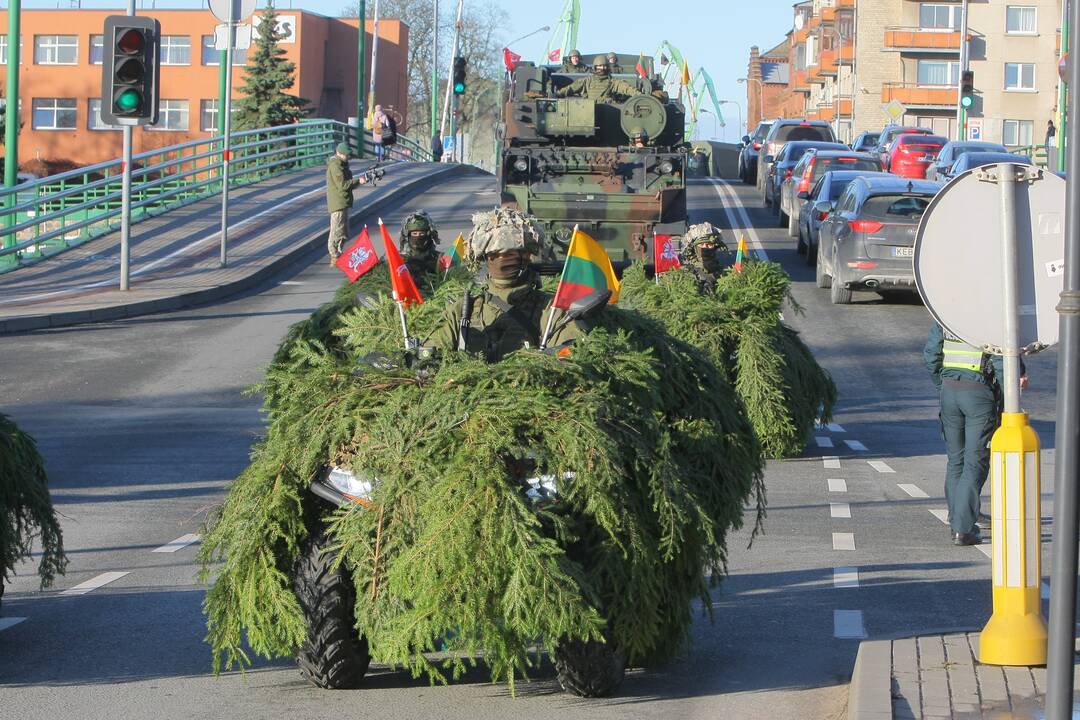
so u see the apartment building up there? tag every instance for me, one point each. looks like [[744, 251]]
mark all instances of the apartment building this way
[[60, 77], [768, 94], [851, 58]]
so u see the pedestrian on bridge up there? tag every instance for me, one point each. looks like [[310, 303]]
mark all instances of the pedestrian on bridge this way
[[379, 126], [339, 198]]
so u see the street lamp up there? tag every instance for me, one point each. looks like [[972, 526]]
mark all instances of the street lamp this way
[[529, 35], [716, 123], [761, 95], [742, 128]]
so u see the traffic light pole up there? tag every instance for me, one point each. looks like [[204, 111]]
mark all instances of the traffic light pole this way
[[361, 60], [961, 113], [125, 197], [226, 153], [11, 119]]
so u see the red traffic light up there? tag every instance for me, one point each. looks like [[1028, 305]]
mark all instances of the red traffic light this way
[[131, 41]]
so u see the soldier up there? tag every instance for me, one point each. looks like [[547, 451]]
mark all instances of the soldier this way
[[638, 137], [419, 236], [572, 63], [598, 86], [613, 64], [511, 311], [700, 245], [339, 186]]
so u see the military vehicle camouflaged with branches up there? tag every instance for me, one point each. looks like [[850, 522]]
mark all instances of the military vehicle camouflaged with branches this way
[[568, 161]]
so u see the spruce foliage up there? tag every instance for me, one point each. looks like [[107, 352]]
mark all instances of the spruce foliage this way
[[651, 451], [784, 389], [265, 102], [26, 511]]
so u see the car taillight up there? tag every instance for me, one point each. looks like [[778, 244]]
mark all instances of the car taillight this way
[[865, 226], [862, 265], [804, 184], [787, 174], [822, 215], [847, 160], [757, 146]]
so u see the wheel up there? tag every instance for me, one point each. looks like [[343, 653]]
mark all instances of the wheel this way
[[793, 228], [781, 216], [333, 656], [589, 669], [838, 294], [765, 198], [800, 245], [811, 253], [821, 278]]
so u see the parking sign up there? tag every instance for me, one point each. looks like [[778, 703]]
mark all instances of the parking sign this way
[[975, 128]]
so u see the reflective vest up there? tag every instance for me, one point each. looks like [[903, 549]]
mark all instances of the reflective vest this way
[[960, 355]]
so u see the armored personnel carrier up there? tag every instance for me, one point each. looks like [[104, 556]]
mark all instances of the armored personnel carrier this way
[[569, 161]]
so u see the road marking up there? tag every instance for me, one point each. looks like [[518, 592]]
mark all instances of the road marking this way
[[839, 510], [848, 624], [913, 490], [837, 485], [736, 205], [823, 441], [940, 514], [843, 541], [836, 427], [880, 466], [291, 282], [6, 622], [984, 547], [845, 577], [855, 445], [94, 583], [832, 462], [179, 543]]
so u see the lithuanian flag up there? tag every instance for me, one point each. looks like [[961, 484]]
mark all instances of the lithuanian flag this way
[[587, 269], [454, 256]]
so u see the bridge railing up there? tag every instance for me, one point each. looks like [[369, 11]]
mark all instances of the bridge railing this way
[[52, 214]]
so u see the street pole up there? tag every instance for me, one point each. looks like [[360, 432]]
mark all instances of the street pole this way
[[361, 59], [1063, 89], [125, 191], [961, 114], [224, 65], [449, 84], [374, 57], [226, 154], [1062, 636], [435, 66], [11, 120]]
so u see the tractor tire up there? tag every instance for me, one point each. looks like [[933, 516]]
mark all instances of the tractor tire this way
[[334, 656], [589, 669]]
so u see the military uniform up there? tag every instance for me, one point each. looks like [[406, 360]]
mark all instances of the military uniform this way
[[598, 87], [420, 263], [702, 264], [579, 67], [339, 198], [419, 253]]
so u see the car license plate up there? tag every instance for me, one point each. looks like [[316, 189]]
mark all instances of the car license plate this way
[[903, 252]]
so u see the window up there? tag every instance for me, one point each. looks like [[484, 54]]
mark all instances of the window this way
[[54, 114], [175, 49], [934, 16], [4, 50], [172, 115], [1019, 76], [1020, 19], [93, 117], [1017, 133], [938, 72], [208, 115], [212, 56], [97, 49], [56, 49]]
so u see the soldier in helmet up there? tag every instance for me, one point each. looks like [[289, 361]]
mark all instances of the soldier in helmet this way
[[613, 64], [700, 246], [510, 311], [598, 86], [419, 237], [572, 63], [638, 137]]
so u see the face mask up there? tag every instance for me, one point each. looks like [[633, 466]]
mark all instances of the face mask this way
[[419, 243], [506, 269], [708, 259]]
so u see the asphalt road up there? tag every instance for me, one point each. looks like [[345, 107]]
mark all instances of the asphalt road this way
[[143, 423]]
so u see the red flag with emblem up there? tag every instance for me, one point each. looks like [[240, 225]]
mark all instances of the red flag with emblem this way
[[510, 59], [401, 280], [359, 257], [664, 256], [555, 54]]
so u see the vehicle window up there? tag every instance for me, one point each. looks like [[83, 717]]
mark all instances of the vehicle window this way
[[824, 165], [815, 191], [800, 167], [789, 133], [837, 187], [761, 132], [847, 200], [895, 206], [795, 153]]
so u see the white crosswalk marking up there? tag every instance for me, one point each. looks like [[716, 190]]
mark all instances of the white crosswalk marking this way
[[839, 510], [845, 577], [941, 514], [94, 583], [832, 462], [855, 445], [823, 441], [843, 541], [179, 543], [880, 466], [837, 485], [836, 427], [848, 624], [913, 490]]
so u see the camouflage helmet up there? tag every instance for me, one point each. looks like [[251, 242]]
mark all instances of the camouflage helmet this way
[[503, 229], [419, 220], [612, 58], [697, 234], [599, 60], [572, 53], [638, 133]]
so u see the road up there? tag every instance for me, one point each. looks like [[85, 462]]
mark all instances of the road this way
[[144, 422]]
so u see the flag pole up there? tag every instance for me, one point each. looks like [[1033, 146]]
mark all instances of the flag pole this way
[[551, 312], [404, 327]]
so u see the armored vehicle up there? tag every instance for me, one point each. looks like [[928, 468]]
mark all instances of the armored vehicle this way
[[570, 161]]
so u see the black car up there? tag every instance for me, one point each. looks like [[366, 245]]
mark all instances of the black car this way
[[785, 162], [748, 155], [941, 168], [783, 131], [866, 142], [813, 165], [970, 160], [818, 202], [868, 241]]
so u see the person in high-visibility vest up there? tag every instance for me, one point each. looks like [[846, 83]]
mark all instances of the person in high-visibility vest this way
[[969, 383]]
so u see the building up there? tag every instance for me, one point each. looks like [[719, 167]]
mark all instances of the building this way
[[768, 94], [60, 77]]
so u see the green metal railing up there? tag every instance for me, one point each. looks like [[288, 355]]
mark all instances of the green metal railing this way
[[49, 215], [1035, 153]]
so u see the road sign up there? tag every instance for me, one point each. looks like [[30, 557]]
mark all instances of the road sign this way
[[894, 109], [975, 128], [221, 37], [448, 143], [959, 266], [240, 9]]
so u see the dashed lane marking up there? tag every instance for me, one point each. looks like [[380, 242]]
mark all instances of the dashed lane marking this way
[[848, 624], [730, 203], [836, 427], [832, 462], [823, 441], [6, 622], [855, 445], [913, 490], [843, 541], [845, 577], [837, 485], [291, 282], [178, 544], [880, 466], [840, 510], [94, 583]]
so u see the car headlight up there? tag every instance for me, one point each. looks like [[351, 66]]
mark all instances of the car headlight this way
[[667, 167], [521, 164], [348, 484]]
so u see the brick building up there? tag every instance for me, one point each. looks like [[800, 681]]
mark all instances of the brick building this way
[[60, 77], [768, 94]]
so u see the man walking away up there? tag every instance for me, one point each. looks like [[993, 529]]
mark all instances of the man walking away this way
[[339, 186], [436, 147]]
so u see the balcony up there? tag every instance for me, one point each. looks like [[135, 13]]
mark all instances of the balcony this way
[[800, 81], [916, 96], [850, 4], [828, 112], [917, 40]]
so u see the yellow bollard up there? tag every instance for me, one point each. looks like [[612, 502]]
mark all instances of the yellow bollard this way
[[1016, 632]]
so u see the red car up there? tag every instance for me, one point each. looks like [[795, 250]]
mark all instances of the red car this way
[[910, 155]]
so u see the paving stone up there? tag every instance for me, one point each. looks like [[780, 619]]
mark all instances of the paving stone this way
[[933, 677], [963, 685], [905, 678]]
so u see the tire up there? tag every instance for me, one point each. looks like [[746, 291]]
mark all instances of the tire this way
[[793, 228], [838, 294], [811, 254], [333, 656], [821, 278], [589, 669], [800, 245], [781, 216]]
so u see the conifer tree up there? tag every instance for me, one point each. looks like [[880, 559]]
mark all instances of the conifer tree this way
[[269, 75]]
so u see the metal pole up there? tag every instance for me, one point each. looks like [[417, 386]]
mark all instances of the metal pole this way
[[226, 154], [374, 57], [453, 54], [435, 67], [224, 65], [11, 119], [125, 195], [1011, 355], [361, 60], [1063, 89], [1062, 635], [961, 114]]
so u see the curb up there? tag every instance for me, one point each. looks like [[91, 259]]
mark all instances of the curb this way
[[870, 691], [207, 295]]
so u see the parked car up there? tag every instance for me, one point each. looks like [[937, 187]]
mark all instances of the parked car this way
[[786, 130], [866, 142], [818, 202], [813, 164], [784, 166], [911, 155], [970, 160], [889, 134], [942, 165], [748, 155], [868, 241]]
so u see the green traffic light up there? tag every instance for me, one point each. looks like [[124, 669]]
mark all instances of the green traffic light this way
[[127, 101], [459, 88], [966, 101]]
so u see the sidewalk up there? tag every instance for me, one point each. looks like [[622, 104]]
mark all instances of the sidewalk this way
[[175, 257], [938, 676]]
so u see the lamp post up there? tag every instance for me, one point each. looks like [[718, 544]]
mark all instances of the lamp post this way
[[742, 128], [502, 93], [761, 96]]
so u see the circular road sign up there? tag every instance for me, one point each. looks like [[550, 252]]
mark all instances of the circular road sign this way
[[241, 10], [959, 265]]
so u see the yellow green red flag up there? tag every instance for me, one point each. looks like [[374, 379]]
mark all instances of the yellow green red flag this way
[[740, 253], [587, 269], [454, 256]]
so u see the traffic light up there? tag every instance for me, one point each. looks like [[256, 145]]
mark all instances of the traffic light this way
[[967, 89], [459, 75], [129, 80]]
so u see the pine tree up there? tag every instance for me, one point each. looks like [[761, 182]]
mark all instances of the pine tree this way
[[269, 75]]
